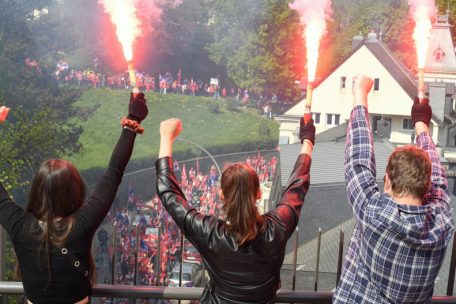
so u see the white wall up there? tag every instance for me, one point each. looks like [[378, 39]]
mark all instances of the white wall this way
[[329, 98]]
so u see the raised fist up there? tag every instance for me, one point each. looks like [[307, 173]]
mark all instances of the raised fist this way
[[421, 111], [137, 108], [307, 130]]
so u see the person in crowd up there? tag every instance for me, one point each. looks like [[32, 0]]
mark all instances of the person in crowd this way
[[401, 235], [244, 252], [53, 236]]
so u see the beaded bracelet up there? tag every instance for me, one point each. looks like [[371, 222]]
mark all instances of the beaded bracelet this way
[[132, 125]]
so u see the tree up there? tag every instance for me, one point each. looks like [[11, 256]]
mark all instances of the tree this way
[[256, 41], [39, 125]]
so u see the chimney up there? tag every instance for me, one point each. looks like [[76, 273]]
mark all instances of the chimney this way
[[372, 37], [357, 41]]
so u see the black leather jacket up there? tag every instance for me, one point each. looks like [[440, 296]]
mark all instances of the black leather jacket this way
[[249, 273]]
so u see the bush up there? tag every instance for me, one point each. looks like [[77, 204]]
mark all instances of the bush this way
[[213, 107], [232, 106], [264, 130]]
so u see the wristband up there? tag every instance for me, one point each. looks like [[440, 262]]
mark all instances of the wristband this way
[[132, 125]]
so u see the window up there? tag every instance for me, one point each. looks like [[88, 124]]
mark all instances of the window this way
[[316, 118], [407, 124], [376, 84], [332, 119], [439, 54], [329, 119], [343, 82]]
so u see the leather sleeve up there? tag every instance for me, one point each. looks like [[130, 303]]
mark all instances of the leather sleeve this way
[[194, 225], [288, 210]]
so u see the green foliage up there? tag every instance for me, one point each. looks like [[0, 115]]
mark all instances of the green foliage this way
[[232, 105], [38, 126], [264, 129], [213, 107], [226, 131], [256, 42]]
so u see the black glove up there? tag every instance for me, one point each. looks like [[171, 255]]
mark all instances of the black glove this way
[[307, 130], [137, 108], [421, 111]]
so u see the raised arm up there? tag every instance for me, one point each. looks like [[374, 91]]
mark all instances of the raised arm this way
[[421, 117], [360, 169], [10, 213], [92, 213], [192, 223], [288, 210], [3, 113]]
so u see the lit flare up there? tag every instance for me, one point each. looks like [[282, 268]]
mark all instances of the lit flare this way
[[313, 16], [422, 11]]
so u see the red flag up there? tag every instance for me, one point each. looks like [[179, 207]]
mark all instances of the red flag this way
[[184, 172], [197, 167]]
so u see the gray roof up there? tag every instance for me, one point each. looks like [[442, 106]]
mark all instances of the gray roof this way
[[395, 67], [328, 161]]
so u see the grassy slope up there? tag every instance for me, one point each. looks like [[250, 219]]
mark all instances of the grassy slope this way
[[209, 130]]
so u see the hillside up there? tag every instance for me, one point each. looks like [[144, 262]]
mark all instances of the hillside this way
[[226, 131]]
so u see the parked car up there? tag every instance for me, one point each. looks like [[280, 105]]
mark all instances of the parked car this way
[[192, 275]]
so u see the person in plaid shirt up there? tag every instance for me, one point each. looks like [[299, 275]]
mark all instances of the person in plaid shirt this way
[[401, 235]]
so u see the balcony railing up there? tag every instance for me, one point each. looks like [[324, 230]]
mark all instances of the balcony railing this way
[[182, 293]]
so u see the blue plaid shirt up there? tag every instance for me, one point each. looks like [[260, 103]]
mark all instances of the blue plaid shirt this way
[[396, 250]]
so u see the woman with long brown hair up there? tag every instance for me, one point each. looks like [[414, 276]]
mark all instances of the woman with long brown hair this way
[[52, 237], [243, 252]]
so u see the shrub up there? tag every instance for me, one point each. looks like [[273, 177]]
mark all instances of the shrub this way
[[213, 107], [232, 106], [264, 130]]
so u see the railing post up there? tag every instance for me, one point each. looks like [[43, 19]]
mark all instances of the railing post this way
[[181, 261], [159, 257], [339, 257], [317, 264], [114, 249], [295, 257], [3, 298], [136, 254], [452, 268]]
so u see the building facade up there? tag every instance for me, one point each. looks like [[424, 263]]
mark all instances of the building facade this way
[[392, 96]]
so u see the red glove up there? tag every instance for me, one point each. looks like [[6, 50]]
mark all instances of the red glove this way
[[421, 111], [307, 130], [137, 108]]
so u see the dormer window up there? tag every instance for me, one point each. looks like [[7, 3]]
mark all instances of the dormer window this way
[[439, 54]]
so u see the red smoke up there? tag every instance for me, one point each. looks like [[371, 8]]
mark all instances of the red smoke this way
[[422, 12], [313, 16]]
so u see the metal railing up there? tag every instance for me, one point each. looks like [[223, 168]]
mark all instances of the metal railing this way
[[283, 296], [182, 293]]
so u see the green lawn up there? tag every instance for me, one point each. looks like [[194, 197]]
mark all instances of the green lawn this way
[[225, 131]]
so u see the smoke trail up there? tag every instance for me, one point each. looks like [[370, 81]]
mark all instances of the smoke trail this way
[[422, 12], [313, 16], [134, 18]]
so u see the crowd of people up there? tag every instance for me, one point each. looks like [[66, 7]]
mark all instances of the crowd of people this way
[[166, 83], [159, 237]]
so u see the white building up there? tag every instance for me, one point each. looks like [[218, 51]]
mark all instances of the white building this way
[[392, 95]]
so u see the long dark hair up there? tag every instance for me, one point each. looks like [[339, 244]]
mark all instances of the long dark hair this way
[[57, 191], [240, 187]]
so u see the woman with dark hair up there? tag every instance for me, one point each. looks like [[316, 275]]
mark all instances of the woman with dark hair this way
[[52, 238], [244, 252]]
